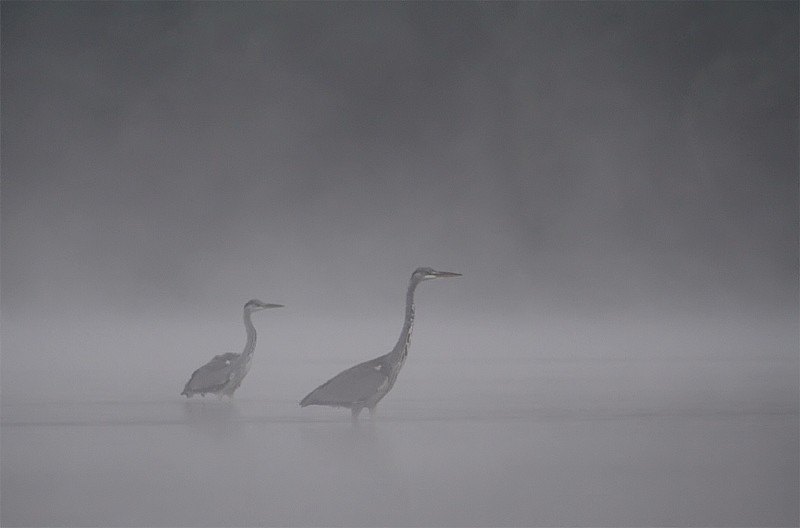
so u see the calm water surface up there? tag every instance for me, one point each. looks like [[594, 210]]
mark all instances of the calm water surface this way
[[567, 450]]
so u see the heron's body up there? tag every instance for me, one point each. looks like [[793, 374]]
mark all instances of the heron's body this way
[[225, 372], [365, 384]]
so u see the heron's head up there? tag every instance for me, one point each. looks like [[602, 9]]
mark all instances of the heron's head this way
[[423, 274], [255, 305]]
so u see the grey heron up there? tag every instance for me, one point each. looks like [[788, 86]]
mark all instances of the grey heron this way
[[365, 384], [225, 372]]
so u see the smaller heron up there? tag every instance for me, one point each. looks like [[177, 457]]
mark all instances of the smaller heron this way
[[225, 372], [365, 384]]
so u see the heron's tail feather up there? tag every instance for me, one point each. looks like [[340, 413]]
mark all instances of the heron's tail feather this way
[[308, 400]]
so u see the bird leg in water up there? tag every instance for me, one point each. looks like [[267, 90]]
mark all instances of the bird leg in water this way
[[354, 412]]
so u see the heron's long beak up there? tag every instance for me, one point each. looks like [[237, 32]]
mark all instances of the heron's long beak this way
[[447, 274], [273, 306]]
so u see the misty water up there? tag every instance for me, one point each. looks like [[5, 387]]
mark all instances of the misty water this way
[[616, 181], [567, 423]]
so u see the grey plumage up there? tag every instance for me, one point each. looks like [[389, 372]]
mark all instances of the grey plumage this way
[[353, 385], [212, 376], [225, 372], [365, 384]]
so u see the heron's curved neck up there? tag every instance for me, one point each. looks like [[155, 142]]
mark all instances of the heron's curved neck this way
[[408, 325], [250, 346]]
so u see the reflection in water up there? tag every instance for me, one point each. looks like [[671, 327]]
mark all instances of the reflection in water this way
[[576, 443], [212, 416], [360, 463], [213, 467]]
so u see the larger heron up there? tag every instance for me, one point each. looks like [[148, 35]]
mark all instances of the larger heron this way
[[365, 384], [225, 372]]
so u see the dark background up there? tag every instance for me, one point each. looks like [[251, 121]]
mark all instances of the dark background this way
[[617, 181], [163, 158]]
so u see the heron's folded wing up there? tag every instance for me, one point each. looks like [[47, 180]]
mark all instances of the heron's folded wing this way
[[353, 385], [213, 374]]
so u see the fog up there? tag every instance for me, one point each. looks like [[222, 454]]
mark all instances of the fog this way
[[617, 182]]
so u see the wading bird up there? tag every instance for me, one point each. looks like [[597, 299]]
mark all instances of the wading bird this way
[[224, 373], [365, 384]]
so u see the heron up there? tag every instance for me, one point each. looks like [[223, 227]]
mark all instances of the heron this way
[[225, 372], [365, 384]]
